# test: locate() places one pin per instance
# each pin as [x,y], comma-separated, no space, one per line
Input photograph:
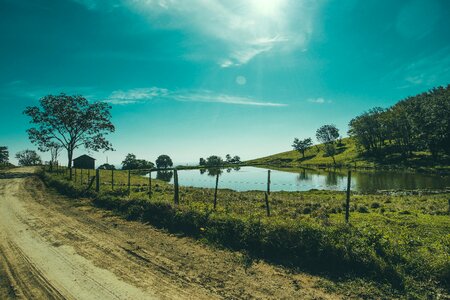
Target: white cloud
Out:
[319,100]
[206,96]
[135,95]
[140,95]
[236,31]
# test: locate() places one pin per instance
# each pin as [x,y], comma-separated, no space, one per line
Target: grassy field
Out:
[394,246]
[349,156]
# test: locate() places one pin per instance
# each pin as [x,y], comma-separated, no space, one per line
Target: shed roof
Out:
[84,156]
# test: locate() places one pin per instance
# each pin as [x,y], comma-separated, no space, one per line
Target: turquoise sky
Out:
[192,78]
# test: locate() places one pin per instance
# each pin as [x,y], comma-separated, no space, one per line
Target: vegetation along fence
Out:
[139,183]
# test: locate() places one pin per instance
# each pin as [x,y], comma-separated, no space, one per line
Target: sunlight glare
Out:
[268,8]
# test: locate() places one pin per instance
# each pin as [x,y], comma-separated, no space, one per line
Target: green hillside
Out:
[348,156]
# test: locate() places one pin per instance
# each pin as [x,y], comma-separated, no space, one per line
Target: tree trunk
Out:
[334,161]
[69,156]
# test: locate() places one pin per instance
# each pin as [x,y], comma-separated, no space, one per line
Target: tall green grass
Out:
[399,241]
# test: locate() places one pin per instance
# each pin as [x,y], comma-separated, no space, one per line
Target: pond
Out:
[251,178]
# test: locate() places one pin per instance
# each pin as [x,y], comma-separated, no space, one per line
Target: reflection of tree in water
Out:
[303,175]
[211,171]
[332,178]
[164,175]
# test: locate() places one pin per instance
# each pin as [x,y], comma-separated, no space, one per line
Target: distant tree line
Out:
[418,123]
[132,163]
[217,161]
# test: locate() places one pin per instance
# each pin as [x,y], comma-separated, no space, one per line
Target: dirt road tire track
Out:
[57,248]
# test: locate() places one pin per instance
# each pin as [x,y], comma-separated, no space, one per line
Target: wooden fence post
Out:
[347,202]
[176,199]
[75,175]
[215,190]
[129,182]
[89,175]
[150,183]
[267,204]
[97,180]
[81,177]
[112,179]
[268,182]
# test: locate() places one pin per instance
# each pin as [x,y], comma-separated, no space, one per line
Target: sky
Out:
[194,78]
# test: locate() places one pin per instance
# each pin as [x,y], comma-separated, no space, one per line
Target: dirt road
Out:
[52,247]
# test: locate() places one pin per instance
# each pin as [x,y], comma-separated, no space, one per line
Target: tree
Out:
[132,163]
[28,158]
[163,162]
[228,158]
[4,155]
[302,145]
[328,135]
[106,167]
[70,122]
[236,160]
[214,161]
[202,162]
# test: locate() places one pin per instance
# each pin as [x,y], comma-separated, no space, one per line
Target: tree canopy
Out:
[328,135]
[4,155]
[214,161]
[70,122]
[419,123]
[132,163]
[28,158]
[164,161]
[302,145]
[107,167]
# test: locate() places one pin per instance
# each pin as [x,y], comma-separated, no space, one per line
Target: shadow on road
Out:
[12,175]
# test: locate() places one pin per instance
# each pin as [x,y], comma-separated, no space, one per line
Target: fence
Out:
[128,182]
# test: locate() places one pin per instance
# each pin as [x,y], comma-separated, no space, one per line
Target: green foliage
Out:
[70,122]
[214,161]
[132,163]
[106,167]
[164,161]
[302,145]
[417,123]
[28,158]
[4,155]
[409,252]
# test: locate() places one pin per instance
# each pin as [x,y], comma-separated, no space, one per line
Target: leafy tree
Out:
[214,161]
[132,163]
[202,162]
[328,135]
[164,161]
[302,145]
[232,160]
[28,158]
[70,122]
[4,155]
[107,167]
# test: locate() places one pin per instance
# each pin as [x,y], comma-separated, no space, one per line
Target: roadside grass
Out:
[349,156]
[397,245]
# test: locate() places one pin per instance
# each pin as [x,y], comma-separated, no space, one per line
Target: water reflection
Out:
[164,175]
[251,178]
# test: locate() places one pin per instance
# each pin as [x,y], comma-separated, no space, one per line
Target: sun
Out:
[267,8]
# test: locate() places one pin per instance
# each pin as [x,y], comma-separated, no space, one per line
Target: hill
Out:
[349,156]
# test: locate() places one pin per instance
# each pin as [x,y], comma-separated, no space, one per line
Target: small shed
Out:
[84,162]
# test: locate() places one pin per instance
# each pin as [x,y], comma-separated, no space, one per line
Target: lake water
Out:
[251,178]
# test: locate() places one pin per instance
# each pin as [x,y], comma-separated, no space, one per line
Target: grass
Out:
[395,245]
[349,156]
